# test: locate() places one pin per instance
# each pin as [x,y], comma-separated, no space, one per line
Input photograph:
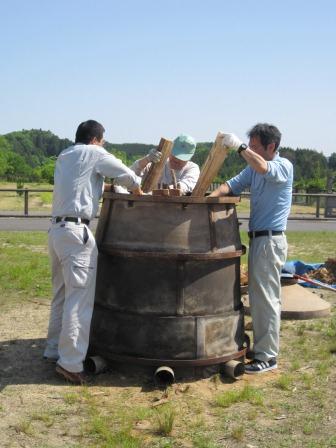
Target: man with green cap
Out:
[178,164]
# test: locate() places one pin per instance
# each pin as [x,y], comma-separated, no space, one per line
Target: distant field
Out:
[41,202]
[297,209]
[38,202]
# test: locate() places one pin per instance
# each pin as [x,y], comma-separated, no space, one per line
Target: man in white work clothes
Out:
[178,166]
[270,179]
[78,186]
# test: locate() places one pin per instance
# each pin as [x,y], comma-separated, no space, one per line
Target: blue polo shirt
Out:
[271,193]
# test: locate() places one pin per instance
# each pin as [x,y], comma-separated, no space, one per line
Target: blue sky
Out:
[147,69]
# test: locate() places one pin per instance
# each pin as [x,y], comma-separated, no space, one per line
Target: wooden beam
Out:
[214,161]
[151,179]
[167,192]
[160,192]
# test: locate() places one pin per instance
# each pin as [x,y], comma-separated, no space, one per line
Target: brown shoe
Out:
[50,360]
[73,377]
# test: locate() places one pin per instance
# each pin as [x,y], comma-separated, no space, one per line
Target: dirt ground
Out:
[37,409]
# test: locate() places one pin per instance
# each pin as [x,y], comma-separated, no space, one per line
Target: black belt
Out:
[70,219]
[264,233]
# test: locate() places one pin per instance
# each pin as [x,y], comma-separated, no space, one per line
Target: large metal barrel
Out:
[168,281]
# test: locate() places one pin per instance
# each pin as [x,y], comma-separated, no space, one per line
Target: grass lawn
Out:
[24,267]
[292,407]
[311,247]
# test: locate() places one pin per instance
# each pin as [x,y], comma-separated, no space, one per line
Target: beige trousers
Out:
[73,255]
[267,255]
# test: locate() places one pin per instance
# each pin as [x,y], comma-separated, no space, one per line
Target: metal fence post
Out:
[26,202]
[317,206]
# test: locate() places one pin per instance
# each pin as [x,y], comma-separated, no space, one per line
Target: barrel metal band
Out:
[176,362]
[110,250]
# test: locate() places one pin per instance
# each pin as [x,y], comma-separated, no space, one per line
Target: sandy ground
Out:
[30,391]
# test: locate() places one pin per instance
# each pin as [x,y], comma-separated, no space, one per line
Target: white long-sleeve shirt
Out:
[187,177]
[79,179]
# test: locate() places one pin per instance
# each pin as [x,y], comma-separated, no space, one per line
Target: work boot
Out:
[72,377]
[50,360]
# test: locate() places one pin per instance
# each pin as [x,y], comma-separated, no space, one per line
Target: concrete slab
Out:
[298,303]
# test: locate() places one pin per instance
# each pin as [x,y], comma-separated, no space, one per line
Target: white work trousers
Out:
[73,253]
[267,255]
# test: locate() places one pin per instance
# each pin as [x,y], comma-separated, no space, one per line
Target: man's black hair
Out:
[267,133]
[88,130]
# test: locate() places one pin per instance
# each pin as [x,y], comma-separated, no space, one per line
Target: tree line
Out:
[30,156]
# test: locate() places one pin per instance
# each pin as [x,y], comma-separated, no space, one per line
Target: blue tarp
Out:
[301,268]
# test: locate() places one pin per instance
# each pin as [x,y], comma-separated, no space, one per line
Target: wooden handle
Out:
[172,172]
[214,161]
[152,178]
[315,282]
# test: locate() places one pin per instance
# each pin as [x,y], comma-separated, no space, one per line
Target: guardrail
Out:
[321,200]
[25,192]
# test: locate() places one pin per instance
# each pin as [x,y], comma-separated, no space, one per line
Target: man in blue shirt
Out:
[270,179]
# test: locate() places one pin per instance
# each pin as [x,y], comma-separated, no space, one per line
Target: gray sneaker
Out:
[257,366]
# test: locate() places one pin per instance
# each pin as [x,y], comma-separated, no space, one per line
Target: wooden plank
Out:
[151,180]
[175,192]
[167,192]
[160,192]
[214,161]
[103,221]
[173,175]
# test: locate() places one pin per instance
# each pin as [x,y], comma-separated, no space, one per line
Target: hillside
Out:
[29,155]
[35,145]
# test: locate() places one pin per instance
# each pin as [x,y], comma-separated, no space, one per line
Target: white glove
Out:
[154,156]
[231,141]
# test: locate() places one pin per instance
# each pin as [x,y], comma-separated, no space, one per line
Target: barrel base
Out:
[142,372]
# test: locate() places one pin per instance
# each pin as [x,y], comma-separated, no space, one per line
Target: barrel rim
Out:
[172,199]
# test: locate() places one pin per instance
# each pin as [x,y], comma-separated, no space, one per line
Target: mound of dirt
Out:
[326,273]
[243,275]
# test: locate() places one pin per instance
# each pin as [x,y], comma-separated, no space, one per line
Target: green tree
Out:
[332,161]
[47,170]
[4,144]
[17,169]
[121,155]
[3,164]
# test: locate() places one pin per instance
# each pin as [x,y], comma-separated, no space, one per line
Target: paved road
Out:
[42,224]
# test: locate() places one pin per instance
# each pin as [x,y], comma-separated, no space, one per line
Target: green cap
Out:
[184,147]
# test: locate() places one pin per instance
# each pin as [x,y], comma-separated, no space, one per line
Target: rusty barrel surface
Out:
[168,281]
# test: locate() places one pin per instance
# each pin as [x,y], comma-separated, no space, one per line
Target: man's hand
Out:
[153,156]
[137,191]
[231,141]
